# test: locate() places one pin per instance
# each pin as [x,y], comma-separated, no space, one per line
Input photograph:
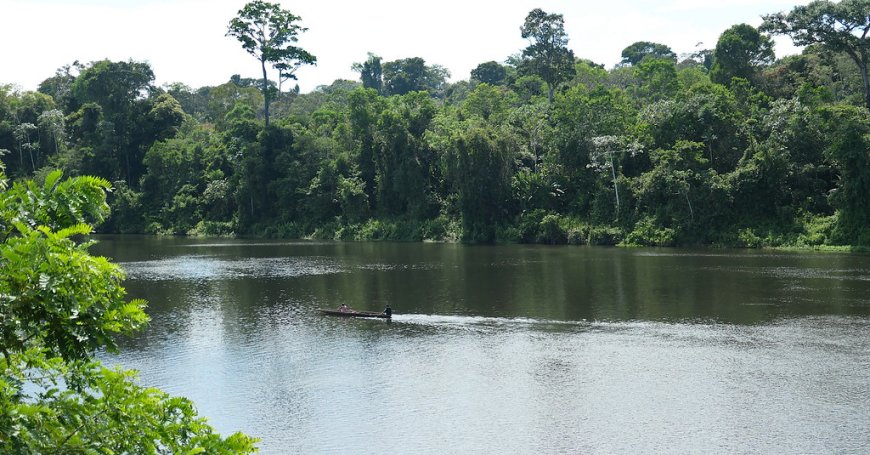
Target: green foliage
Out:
[413,75]
[59,305]
[56,203]
[477,155]
[402,157]
[268,33]
[740,51]
[371,73]
[529,88]
[119,115]
[647,232]
[657,79]
[491,73]
[547,55]
[590,74]
[726,147]
[487,101]
[82,407]
[840,27]
[849,150]
[640,50]
[705,114]
[48,304]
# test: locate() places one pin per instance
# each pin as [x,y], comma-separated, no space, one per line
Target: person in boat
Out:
[343,308]
[388,311]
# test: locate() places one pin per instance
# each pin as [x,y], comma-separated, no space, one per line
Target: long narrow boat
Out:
[355,314]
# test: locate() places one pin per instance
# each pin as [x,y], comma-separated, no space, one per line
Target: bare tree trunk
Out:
[691,212]
[265,91]
[615,188]
[866,78]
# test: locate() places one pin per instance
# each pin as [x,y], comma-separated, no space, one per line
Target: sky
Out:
[184,40]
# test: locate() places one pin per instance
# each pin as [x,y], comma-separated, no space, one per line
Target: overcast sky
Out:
[184,40]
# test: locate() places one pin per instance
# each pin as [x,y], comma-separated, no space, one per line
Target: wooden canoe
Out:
[355,314]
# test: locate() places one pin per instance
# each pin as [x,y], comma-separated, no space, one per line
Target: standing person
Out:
[388,311]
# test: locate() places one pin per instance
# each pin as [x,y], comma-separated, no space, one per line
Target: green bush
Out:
[213,229]
[529,224]
[578,235]
[647,233]
[605,236]
[550,231]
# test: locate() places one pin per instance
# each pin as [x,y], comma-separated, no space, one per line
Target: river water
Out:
[507,349]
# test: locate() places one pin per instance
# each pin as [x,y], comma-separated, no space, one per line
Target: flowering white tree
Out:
[602,155]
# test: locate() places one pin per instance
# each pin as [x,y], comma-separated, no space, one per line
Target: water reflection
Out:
[216,268]
[510,349]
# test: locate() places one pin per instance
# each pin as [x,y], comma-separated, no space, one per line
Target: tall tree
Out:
[365,107]
[59,86]
[414,75]
[547,54]
[633,54]
[848,148]
[478,162]
[53,127]
[370,72]
[120,89]
[491,73]
[740,51]
[269,33]
[841,27]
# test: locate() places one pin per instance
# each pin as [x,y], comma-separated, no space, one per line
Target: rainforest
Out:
[724,147]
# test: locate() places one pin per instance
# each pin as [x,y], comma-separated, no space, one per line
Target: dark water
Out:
[507,349]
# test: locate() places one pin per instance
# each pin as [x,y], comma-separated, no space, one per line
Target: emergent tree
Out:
[740,51]
[840,27]
[547,54]
[371,73]
[633,54]
[268,33]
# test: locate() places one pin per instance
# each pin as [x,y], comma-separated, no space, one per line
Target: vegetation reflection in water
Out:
[507,349]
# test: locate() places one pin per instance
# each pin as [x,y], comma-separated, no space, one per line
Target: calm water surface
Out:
[507,349]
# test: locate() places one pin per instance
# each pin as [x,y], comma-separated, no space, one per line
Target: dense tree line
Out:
[727,146]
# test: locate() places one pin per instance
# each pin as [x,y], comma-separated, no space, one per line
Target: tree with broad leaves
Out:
[740,52]
[633,54]
[602,156]
[269,33]
[371,73]
[840,27]
[491,73]
[414,75]
[547,54]
[59,306]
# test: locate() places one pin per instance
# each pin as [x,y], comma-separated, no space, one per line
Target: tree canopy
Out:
[840,27]
[371,73]
[413,75]
[740,52]
[540,147]
[269,33]
[637,51]
[547,54]
[490,72]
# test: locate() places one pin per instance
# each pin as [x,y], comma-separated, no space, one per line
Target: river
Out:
[506,349]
